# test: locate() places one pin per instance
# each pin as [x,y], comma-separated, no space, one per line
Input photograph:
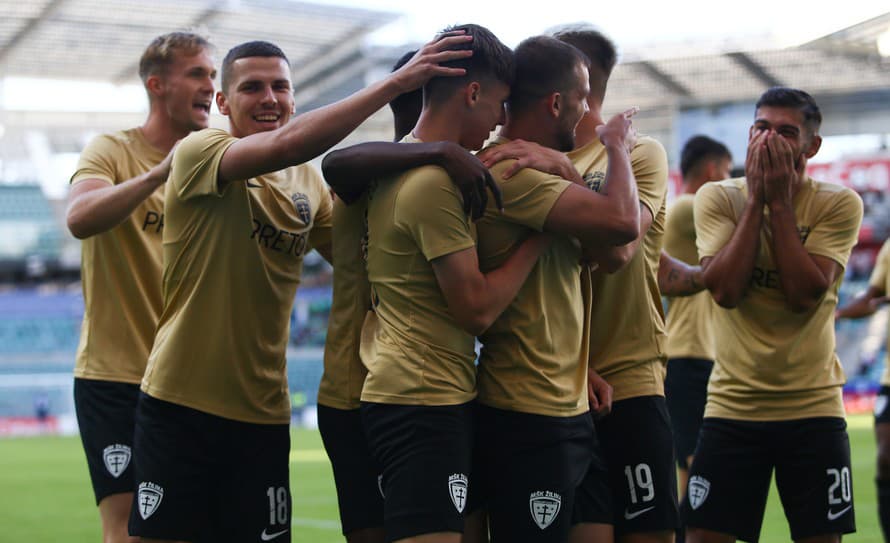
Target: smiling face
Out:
[186,90]
[259,96]
[574,107]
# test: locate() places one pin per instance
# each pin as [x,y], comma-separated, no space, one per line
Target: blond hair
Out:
[159,54]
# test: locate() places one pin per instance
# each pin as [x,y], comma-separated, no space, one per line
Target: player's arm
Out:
[611,217]
[599,394]
[95,206]
[728,273]
[311,134]
[531,155]
[864,304]
[476,299]
[804,278]
[676,278]
[349,171]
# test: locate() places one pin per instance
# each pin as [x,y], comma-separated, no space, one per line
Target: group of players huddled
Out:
[545,248]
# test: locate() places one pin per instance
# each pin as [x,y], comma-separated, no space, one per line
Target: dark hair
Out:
[158,56]
[406,106]
[793,98]
[543,65]
[491,60]
[698,149]
[599,49]
[246,50]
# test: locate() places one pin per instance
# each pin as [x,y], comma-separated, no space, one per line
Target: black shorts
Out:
[356,474]
[525,471]
[638,447]
[730,476]
[882,413]
[106,415]
[200,477]
[424,452]
[686,392]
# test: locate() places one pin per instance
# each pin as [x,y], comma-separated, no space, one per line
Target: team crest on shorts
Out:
[302,206]
[457,487]
[698,491]
[544,506]
[149,498]
[880,404]
[116,458]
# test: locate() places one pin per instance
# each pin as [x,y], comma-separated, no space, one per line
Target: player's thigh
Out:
[356,475]
[424,453]
[106,417]
[814,477]
[729,479]
[685,390]
[533,464]
[593,499]
[252,496]
[173,472]
[638,444]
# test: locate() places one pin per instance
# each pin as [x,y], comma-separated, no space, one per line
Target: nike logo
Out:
[630,516]
[839,514]
[253,185]
[269,537]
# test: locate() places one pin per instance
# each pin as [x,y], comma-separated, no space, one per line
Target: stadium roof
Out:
[846,61]
[103,39]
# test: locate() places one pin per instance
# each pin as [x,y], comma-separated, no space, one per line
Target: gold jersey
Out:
[421,355]
[880,279]
[232,262]
[532,359]
[121,267]
[626,326]
[690,325]
[773,363]
[344,373]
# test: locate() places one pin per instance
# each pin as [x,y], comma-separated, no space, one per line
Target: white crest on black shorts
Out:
[302,206]
[116,458]
[457,487]
[149,498]
[698,491]
[544,506]
[880,404]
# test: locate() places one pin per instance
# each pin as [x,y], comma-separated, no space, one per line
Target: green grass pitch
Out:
[45,495]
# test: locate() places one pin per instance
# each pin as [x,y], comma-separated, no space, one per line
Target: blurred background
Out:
[68,73]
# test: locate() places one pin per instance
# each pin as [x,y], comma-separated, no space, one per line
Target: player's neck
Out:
[585,133]
[529,128]
[160,131]
[438,124]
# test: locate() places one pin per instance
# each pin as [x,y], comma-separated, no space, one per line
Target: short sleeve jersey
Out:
[344,373]
[232,262]
[530,355]
[773,363]
[627,337]
[880,279]
[690,326]
[421,355]
[121,267]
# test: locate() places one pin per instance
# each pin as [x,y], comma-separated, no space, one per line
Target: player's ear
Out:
[155,86]
[471,93]
[222,103]
[554,104]
[815,145]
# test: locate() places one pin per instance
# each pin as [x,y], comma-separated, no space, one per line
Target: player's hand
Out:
[471,177]
[619,131]
[161,171]
[599,392]
[779,172]
[527,155]
[426,63]
[754,168]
